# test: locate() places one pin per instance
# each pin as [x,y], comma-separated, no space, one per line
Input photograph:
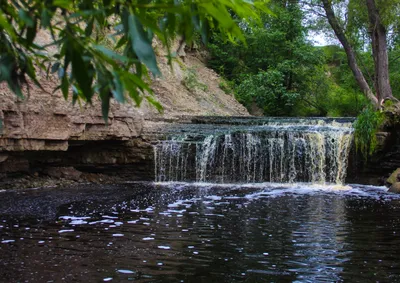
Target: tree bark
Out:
[379,52]
[351,58]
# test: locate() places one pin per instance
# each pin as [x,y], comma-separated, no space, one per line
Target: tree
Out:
[377,32]
[275,70]
[85,65]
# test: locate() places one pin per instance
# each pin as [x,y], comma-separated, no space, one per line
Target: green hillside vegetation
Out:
[283,74]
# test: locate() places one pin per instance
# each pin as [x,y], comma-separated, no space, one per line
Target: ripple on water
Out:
[223,233]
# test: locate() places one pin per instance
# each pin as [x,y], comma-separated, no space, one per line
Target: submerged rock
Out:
[395,188]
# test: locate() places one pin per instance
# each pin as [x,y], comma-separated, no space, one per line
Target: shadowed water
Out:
[177,232]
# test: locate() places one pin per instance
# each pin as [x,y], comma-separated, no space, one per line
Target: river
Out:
[199,232]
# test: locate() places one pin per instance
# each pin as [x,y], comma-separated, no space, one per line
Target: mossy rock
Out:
[393,177]
[391,111]
[395,188]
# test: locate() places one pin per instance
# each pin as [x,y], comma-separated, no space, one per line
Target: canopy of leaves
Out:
[277,69]
[284,74]
[85,65]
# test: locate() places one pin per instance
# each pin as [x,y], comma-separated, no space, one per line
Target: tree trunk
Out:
[379,52]
[351,58]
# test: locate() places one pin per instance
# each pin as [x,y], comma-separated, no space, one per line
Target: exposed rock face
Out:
[69,173]
[36,132]
[48,122]
[190,88]
[395,188]
[45,131]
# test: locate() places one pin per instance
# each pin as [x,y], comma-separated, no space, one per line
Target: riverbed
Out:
[199,232]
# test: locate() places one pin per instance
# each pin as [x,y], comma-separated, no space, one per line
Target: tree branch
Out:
[351,58]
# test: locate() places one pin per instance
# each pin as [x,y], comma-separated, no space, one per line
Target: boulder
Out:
[394,177]
[395,188]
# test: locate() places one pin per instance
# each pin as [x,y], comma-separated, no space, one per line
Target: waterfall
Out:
[278,150]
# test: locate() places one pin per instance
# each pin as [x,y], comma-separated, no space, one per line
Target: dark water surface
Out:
[145,232]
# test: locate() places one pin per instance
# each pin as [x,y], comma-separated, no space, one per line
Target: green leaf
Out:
[80,73]
[46,18]
[204,31]
[55,67]
[106,3]
[31,34]
[89,27]
[6,64]
[150,34]
[25,18]
[133,93]
[16,88]
[221,15]
[118,91]
[141,44]
[111,54]
[132,90]
[155,103]
[105,107]
[105,97]
[65,4]
[121,42]
[195,17]
[30,70]
[65,87]
[139,69]
[7,26]
[136,80]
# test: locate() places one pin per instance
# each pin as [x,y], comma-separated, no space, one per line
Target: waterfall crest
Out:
[275,150]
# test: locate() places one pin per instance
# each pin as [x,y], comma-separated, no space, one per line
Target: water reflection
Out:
[200,233]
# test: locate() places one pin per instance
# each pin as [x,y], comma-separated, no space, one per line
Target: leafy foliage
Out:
[226,86]
[366,126]
[277,68]
[266,89]
[78,29]
[284,74]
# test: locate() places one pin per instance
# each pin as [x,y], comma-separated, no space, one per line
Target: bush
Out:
[267,90]
[366,126]
[226,86]
[191,82]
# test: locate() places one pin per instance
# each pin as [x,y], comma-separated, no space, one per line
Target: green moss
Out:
[388,103]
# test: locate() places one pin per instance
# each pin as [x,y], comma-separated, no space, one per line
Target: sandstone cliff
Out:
[45,130]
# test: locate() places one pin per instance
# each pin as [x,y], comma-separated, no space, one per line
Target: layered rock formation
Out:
[44,131]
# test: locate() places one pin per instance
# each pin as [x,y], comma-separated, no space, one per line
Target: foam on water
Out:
[274,190]
[66,231]
[125,271]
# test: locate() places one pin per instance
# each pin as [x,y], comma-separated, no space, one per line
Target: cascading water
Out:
[253,151]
